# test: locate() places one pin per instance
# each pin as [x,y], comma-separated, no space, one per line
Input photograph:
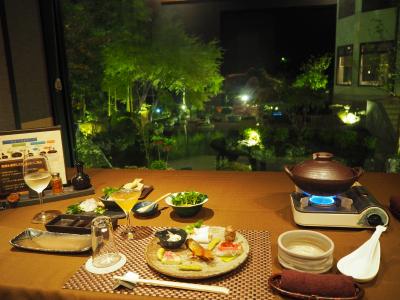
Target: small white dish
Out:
[92,269]
[305,250]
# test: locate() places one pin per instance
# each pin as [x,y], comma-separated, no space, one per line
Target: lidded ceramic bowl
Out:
[305,250]
[322,175]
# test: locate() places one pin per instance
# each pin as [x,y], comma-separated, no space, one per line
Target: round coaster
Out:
[92,269]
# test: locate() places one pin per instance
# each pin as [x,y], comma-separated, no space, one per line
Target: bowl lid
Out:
[322,167]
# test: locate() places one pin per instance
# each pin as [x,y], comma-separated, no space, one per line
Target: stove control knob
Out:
[374,220]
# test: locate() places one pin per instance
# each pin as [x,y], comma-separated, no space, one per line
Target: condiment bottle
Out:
[56,183]
[81,180]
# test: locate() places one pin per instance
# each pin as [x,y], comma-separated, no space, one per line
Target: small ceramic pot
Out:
[305,250]
[163,236]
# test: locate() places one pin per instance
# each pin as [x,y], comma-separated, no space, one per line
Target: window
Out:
[346,8]
[344,65]
[375,62]
[150,87]
[368,5]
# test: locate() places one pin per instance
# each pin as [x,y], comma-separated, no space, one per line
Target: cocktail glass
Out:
[126,199]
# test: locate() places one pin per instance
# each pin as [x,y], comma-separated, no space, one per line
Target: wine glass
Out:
[37,175]
[126,199]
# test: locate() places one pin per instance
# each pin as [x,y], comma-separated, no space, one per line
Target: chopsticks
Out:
[133,278]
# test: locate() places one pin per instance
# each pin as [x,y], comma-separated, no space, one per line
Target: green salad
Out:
[188,198]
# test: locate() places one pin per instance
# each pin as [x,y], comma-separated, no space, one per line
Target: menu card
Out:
[15,144]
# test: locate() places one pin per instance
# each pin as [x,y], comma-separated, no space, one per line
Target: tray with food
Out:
[44,241]
[92,208]
[203,252]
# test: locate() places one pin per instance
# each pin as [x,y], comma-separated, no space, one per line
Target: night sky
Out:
[259,38]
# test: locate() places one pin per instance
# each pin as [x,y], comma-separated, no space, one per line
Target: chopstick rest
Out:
[131,278]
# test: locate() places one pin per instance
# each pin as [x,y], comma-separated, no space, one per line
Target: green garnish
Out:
[188,198]
[228,258]
[190,228]
[190,268]
[160,254]
[100,210]
[76,209]
[108,190]
[214,242]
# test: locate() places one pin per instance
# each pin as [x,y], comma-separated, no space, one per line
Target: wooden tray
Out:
[77,224]
[275,283]
[209,269]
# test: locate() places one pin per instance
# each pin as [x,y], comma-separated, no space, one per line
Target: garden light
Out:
[350,118]
[244,97]
[183,107]
[158,110]
[251,138]
[254,138]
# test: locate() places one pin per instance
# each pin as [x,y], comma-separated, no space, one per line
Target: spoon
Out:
[363,263]
[150,206]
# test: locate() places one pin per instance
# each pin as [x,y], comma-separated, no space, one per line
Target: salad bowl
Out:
[186,204]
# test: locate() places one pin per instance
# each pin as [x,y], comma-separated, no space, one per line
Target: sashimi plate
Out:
[213,268]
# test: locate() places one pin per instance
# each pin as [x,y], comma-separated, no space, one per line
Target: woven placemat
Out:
[249,281]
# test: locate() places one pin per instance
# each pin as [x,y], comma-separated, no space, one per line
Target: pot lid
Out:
[322,167]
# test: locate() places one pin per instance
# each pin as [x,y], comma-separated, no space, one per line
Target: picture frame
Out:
[17,143]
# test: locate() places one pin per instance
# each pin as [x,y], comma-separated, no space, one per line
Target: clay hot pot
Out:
[322,175]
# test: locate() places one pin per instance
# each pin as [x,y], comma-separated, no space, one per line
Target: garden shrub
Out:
[158,165]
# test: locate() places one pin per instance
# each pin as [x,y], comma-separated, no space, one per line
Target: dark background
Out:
[260,38]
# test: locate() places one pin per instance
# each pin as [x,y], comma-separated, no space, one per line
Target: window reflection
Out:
[375,62]
[344,65]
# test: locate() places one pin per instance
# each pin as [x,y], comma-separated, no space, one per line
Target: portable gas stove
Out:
[356,208]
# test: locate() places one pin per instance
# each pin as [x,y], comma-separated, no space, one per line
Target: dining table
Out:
[255,201]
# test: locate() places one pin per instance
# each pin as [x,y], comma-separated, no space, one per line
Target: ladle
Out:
[147,208]
[363,263]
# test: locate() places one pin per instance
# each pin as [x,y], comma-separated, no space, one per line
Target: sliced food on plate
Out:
[208,251]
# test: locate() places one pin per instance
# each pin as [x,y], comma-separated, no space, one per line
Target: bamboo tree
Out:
[109,103]
[115,100]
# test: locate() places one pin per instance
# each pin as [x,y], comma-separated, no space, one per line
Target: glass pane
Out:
[221,85]
[344,72]
[346,8]
[374,69]
[368,5]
